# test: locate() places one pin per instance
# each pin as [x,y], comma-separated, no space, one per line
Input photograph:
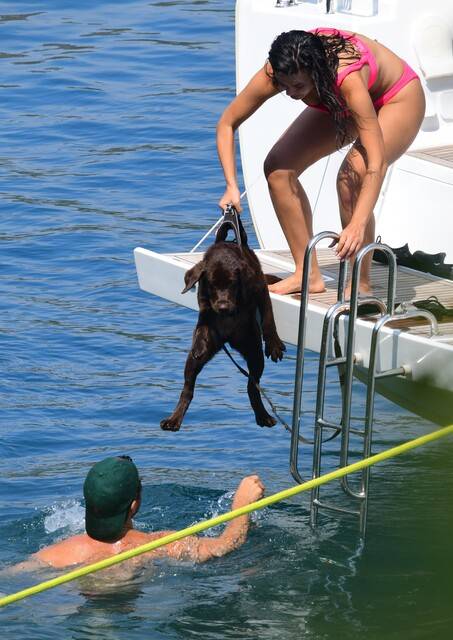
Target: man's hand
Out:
[249,490]
[201,549]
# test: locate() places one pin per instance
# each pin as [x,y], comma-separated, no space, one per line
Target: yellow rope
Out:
[206,524]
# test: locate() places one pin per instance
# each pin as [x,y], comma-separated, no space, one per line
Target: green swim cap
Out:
[109,489]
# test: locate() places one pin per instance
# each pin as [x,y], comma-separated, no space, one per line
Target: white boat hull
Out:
[428,391]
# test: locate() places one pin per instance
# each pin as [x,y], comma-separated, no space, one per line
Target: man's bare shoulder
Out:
[73,550]
[81,549]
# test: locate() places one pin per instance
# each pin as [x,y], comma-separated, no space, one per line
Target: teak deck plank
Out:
[410,285]
[438,155]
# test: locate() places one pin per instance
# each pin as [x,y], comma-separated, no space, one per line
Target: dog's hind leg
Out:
[252,351]
[204,346]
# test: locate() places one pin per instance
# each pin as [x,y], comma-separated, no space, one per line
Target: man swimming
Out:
[112,491]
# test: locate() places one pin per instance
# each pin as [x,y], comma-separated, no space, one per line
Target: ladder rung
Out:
[388,373]
[357,359]
[335,426]
[336,361]
[357,432]
[320,422]
[332,507]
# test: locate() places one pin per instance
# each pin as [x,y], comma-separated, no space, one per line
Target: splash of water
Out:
[222,505]
[68,515]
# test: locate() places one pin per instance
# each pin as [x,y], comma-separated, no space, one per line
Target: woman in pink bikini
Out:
[357,91]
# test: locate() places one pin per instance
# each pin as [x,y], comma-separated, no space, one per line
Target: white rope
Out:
[320,184]
[217,224]
[211,230]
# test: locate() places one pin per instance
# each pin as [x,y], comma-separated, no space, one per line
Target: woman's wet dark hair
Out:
[316,55]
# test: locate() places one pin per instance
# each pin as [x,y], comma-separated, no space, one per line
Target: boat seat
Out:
[432,42]
[446,105]
[431,119]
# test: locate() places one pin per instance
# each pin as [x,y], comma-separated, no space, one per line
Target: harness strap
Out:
[284,424]
[231,220]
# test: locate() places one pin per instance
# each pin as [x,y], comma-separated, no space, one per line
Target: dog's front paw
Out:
[274,348]
[172,423]
[265,420]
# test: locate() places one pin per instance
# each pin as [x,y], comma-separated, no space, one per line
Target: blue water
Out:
[108,117]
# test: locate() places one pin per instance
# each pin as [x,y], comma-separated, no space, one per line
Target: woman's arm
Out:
[257,91]
[359,103]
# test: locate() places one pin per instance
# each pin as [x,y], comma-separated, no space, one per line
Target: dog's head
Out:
[223,280]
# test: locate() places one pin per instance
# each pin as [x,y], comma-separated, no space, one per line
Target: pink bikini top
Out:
[366,58]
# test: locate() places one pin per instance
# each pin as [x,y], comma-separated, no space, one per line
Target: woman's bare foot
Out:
[364,290]
[292,283]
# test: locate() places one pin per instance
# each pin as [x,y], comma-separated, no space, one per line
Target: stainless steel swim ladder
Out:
[345,364]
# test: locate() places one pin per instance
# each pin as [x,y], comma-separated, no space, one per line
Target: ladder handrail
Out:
[372,373]
[391,291]
[404,370]
[298,380]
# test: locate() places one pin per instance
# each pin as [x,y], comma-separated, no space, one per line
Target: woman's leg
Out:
[308,139]
[400,121]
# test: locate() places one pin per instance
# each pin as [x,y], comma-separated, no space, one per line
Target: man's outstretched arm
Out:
[32,564]
[201,549]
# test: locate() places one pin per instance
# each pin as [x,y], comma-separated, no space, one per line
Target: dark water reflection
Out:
[108,113]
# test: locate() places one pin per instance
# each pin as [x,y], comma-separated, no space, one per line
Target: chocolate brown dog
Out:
[231,289]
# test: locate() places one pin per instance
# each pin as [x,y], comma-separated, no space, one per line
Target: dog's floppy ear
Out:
[192,276]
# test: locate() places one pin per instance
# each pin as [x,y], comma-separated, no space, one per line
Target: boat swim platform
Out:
[426,391]
[439,155]
[410,285]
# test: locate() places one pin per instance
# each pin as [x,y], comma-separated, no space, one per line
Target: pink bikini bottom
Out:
[407,75]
